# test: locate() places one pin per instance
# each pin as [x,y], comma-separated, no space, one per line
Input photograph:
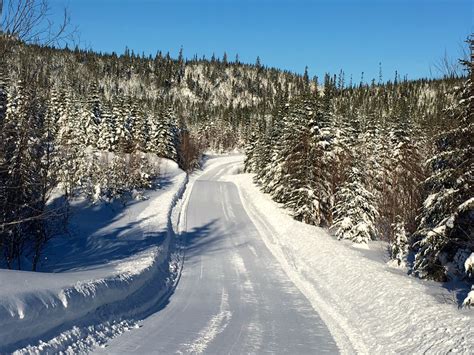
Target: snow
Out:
[466,205]
[469,301]
[216,325]
[117,266]
[368,306]
[233,296]
[469,264]
[122,264]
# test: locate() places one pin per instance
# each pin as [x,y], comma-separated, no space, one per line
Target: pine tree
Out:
[166,135]
[399,245]
[354,210]
[107,132]
[447,220]
[306,188]
[68,141]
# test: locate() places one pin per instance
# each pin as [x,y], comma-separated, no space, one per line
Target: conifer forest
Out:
[373,164]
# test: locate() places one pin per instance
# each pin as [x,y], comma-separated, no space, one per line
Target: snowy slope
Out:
[117,267]
[368,306]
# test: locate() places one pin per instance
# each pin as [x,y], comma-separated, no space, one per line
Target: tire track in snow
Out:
[254,333]
[215,326]
[347,339]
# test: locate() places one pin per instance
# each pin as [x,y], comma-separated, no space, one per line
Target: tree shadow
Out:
[99,248]
[97,234]
[459,289]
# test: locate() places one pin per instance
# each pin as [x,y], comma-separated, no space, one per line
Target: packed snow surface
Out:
[233,296]
[368,306]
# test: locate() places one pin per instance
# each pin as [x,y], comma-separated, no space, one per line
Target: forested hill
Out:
[93,124]
[219,101]
[215,97]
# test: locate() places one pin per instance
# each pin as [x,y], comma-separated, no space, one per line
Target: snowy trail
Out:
[233,296]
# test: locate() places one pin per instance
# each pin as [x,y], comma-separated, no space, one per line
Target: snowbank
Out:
[368,306]
[97,299]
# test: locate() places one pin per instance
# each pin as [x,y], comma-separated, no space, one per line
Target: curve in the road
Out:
[233,296]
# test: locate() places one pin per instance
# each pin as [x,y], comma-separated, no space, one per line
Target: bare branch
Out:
[29,21]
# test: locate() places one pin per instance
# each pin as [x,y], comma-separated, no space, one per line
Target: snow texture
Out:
[233,297]
[84,301]
[368,306]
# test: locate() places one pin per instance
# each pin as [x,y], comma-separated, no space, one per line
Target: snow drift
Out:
[85,305]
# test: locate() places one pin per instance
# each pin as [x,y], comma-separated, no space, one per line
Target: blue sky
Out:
[354,35]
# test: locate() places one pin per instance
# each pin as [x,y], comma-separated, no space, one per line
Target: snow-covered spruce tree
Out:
[68,162]
[354,211]
[272,170]
[295,153]
[399,243]
[166,135]
[446,223]
[261,153]
[123,134]
[91,115]
[55,107]
[249,162]
[93,177]
[337,155]
[305,184]
[373,149]
[107,139]
[139,127]
[24,190]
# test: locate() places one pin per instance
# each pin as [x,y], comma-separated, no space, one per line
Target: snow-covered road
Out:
[233,295]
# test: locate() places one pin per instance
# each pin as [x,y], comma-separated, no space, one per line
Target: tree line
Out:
[390,161]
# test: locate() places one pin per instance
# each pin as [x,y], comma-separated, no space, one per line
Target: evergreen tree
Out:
[70,151]
[399,245]
[306,188]
[123,125]
[107,128]
[249,162]
[23,199]
[354,210]
[166,135]
[447,220]
[91,118]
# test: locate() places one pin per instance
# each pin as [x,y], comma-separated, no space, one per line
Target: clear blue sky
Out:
[353,35]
